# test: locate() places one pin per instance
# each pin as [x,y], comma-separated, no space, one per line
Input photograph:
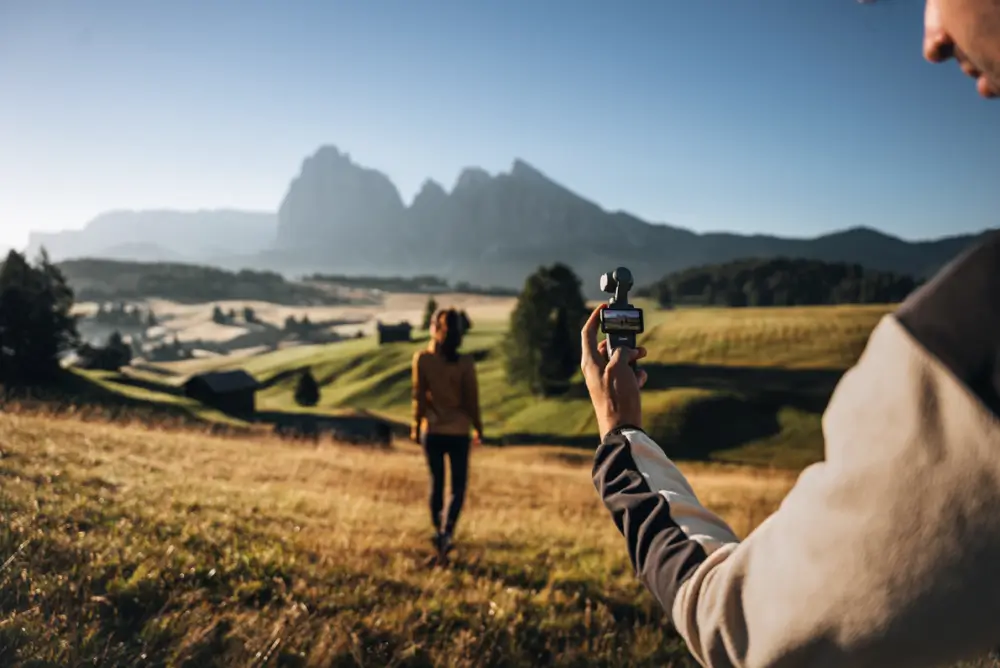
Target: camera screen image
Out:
[626,320]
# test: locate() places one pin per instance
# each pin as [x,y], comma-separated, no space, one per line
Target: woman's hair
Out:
[448,333]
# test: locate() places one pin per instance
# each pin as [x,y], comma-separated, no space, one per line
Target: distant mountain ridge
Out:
[496,229]
[162,236]
[342,217]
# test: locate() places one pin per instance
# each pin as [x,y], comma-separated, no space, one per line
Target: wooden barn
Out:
[232,392]
[394,333]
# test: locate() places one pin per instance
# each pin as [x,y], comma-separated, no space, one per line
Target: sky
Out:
[777,116]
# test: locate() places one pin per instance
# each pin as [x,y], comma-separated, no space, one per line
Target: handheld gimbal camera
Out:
[620,321]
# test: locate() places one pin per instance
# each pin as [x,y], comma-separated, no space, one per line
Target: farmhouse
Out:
[232,392]
[394,333]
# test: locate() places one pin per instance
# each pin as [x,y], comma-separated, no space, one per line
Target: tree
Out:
[36,326]
[113,356]
[542,348]
[307,390]
[119,351]
[781,282]
[429,312]
[663,294]
[218,317]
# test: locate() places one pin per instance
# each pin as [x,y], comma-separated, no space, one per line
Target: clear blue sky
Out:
[790,117]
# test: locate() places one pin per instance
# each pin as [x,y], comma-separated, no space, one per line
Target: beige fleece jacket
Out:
[885,554]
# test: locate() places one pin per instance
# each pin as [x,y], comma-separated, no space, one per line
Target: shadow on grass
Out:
[741,405]
[805,389]
[151,386]
[85,398]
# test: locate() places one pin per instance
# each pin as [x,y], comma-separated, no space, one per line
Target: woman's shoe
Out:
[446,544]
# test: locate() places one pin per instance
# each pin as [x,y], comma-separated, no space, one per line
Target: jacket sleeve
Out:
[470,395]
[882,555]
[668,533]
[885,553]
[419,393]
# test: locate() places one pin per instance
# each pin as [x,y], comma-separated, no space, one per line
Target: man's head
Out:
[969,31]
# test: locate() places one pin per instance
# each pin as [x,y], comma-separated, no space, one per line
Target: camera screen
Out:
[629,320]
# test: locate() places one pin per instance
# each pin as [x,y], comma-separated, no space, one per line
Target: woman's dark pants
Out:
[456,449]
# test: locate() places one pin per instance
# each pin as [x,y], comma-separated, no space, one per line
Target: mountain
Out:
[496,229]
[162,236]
[341,217]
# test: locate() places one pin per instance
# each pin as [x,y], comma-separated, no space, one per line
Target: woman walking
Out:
[445,407]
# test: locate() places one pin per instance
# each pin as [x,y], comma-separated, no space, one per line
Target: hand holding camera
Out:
[609,366]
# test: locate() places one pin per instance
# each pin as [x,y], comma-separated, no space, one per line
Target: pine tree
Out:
[307,390]
[429,312]
[542,347]
[36,325]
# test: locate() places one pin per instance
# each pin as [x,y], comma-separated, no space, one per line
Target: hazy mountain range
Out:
[340,217]
[163,236]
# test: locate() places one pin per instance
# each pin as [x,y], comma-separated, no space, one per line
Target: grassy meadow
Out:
[744,386]
[126,546]
[165,544]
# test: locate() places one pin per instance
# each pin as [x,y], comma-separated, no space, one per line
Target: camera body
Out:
[620,321]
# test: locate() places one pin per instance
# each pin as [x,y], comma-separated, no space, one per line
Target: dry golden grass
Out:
[124,545]
[189,549]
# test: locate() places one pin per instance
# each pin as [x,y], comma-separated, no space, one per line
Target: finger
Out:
[986,88]
[969,69]
[591,357]
[621,357]
[633,354]
[642,377]
[602,348]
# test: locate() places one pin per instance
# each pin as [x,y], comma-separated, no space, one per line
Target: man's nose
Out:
[938,45]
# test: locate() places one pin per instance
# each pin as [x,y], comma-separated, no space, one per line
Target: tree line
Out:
[418,284]
[779,282]
[36,323]
[113,280]
[120,314]
[541,348]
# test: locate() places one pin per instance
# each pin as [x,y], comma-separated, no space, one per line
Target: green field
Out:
[126,545]
[736,385]
[156,544]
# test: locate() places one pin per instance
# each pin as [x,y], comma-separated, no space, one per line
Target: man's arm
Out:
[668,533]
[883,554]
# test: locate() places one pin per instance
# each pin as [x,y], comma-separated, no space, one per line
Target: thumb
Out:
[622,357]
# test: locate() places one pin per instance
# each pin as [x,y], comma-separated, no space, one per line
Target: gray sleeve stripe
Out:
[660,551]
[696,521]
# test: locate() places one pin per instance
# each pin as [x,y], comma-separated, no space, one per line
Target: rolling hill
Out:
[738,385]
